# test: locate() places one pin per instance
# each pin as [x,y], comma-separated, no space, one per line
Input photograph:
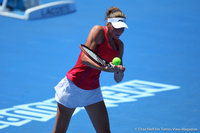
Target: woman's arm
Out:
[96,36]
[118,76]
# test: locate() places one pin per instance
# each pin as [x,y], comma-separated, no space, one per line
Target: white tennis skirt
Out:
[71,96]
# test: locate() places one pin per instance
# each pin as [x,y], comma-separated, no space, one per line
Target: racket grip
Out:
[110,65]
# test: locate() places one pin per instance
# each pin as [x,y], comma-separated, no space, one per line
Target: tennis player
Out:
[80,87]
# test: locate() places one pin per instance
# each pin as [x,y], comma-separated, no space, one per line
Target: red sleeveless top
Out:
[87,78]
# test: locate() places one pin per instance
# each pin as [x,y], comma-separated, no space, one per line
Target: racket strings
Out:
[94,56]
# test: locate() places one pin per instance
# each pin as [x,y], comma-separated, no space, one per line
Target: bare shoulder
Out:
[97,29]
[96,34]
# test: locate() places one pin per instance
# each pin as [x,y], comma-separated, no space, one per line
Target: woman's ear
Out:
[108,24]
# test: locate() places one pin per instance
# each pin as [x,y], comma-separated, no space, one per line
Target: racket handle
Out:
[110,65]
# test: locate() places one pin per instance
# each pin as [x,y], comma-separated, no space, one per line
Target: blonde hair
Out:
[114,12]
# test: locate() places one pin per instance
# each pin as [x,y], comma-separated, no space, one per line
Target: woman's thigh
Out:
[99,117]
[63,117]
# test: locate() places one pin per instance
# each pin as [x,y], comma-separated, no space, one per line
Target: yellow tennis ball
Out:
[116,61]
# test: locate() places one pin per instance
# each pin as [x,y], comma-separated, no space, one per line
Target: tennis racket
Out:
[94,57]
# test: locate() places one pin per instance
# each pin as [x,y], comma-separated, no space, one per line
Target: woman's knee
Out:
[99,117]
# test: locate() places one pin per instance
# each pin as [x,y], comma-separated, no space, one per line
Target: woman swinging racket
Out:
[80,87]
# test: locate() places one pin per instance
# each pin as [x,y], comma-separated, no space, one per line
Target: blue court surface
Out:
[160,90]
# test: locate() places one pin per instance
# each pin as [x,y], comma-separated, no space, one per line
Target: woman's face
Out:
[115,33]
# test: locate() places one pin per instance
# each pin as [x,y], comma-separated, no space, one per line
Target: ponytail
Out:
[114,12]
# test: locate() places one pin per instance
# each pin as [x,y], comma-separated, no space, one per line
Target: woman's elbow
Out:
[83,60]
[118,77]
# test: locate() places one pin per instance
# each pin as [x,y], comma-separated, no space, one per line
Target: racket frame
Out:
[100,61]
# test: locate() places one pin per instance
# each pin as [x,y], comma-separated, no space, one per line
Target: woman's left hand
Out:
[118,68]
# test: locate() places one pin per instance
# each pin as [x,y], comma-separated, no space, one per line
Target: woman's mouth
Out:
[117,35]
